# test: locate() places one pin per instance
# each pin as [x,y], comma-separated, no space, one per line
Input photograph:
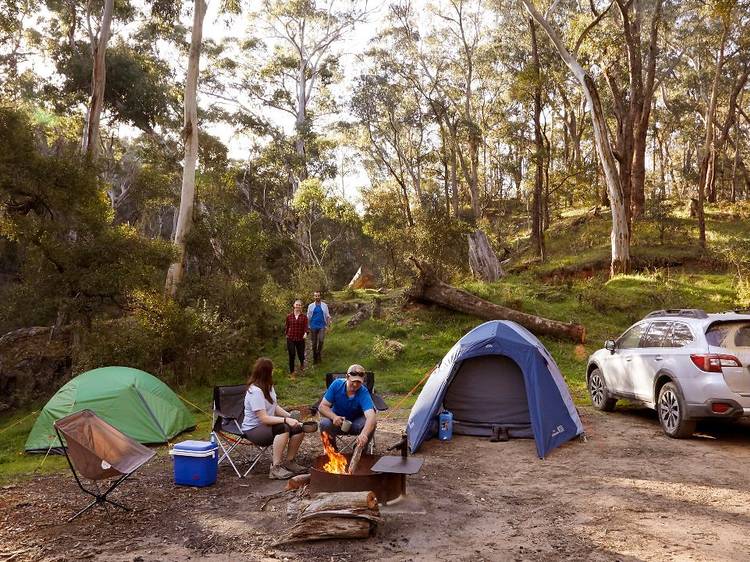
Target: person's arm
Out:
[325,410]
[289,420]
[275,420]
[307,325]
[286,326]
[371,420]
[328,316]
[310,308]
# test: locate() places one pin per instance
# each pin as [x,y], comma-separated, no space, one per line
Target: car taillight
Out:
[713,362]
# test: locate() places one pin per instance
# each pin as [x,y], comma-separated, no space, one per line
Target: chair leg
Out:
[255,461]
[84,510]
[226,454]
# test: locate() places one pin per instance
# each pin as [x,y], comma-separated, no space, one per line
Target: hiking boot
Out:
[278,472]
[295,467]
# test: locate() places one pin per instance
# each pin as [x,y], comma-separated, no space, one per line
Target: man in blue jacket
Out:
[348,399]
[319,320]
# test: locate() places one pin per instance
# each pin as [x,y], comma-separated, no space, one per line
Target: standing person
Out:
[296,331]
[320,321]
[266,423]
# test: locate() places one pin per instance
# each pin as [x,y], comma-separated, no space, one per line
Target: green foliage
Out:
[137,89]
[179,343]
[433,238]
[385,350]
[73,259]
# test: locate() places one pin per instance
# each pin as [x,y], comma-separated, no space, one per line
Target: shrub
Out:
[386,350]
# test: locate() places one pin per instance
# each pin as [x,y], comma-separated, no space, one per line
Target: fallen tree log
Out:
[428,288]
[338,515]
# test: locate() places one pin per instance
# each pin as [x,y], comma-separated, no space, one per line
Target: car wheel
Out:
[598,392]
[672,411]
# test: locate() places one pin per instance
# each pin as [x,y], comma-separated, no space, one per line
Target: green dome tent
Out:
[136,403]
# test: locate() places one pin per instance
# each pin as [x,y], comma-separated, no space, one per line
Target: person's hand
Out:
[362,439]
[304,335]
[291,422]
[338,420]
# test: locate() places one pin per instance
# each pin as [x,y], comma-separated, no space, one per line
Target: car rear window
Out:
[730,335]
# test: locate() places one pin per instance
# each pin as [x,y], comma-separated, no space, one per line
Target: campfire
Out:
[331,472]
[337,462]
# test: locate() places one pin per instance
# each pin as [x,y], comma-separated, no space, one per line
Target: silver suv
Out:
[685,364]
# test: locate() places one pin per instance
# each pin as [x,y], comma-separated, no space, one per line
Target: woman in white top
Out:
[265,422]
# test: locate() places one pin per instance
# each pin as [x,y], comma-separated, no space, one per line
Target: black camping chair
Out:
[228,411]
[98,451]
[377,400]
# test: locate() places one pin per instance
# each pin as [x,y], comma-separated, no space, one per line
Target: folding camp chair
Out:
[377,400]
[99,451]
[228,411]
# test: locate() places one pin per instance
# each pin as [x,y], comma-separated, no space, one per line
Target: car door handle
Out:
[658,357]
[628,358]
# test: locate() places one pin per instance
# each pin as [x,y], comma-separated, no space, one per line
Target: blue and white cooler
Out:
[195,463]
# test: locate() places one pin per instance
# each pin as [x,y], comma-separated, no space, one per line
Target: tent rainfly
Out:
[498,378]
[135,402]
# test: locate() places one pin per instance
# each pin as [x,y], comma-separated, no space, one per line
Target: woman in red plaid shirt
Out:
[296,332]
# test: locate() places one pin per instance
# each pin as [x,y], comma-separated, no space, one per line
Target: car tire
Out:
[670,407]
[600,397]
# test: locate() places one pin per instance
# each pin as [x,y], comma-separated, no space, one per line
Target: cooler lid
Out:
[195,446]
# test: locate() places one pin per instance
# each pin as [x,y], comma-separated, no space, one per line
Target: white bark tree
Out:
[309,32]
[190,132]
[90,141]
[620,237]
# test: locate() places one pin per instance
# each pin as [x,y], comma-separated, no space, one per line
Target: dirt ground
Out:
[627,493]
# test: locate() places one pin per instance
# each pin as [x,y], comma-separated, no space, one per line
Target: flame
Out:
[336,461]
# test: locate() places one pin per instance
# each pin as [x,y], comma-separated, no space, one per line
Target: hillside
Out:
[572,285]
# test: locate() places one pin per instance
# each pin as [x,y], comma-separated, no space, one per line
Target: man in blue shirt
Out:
[319,321]
[348,399]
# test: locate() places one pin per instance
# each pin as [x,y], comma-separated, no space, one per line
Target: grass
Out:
[605,306]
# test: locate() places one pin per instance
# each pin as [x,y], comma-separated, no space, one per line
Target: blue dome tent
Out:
[498,378]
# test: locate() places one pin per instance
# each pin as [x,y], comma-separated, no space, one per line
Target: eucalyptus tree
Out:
[16,24]
[190,133]
[304,63]
[620,236]
[99,38]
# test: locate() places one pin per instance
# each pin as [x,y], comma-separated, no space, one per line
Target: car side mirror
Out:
[609,345]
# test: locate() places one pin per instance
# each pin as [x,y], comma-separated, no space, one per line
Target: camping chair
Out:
[377,400]
[97,451]
[228,411]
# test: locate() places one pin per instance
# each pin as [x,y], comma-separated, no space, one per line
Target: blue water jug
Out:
[445,426]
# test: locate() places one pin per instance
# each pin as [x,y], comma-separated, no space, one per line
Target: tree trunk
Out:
[620,236]
[537,223]
[190,131]
[709,150]
[90,142]
[428,288]
[483,262]
[736,159]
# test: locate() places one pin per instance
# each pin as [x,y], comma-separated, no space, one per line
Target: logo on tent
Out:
[557,431]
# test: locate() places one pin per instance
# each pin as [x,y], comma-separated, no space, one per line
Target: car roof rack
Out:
[681,312]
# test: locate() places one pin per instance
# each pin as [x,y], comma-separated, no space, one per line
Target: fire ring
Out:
[386,486]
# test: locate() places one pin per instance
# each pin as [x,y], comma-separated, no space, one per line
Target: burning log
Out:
[355,458]
[428,288]
[337,515]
